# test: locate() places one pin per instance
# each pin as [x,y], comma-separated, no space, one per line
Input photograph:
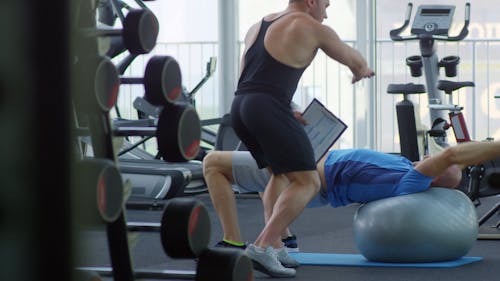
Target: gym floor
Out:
[322,230]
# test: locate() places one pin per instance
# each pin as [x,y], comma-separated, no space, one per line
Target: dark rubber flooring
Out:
[324,230]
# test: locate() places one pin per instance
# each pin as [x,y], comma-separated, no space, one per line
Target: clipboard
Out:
[323,128]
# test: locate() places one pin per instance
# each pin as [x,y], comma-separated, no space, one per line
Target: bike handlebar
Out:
[465,30]
[396,33]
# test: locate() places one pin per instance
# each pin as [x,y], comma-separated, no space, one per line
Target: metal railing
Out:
[330,82]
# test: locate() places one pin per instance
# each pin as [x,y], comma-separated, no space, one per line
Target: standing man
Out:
[277,51]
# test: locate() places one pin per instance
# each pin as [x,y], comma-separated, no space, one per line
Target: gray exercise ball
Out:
[439,224]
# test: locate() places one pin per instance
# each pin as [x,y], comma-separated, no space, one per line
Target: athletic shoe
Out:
[266,261]
[285,259]
[224,244]
[291,244]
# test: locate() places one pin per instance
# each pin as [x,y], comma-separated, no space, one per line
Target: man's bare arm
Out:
[338,50]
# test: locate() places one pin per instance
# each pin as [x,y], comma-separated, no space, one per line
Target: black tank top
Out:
[264,74]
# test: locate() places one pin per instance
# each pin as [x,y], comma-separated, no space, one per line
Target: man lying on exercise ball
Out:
[347,176]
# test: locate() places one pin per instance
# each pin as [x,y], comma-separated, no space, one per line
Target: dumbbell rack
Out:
[96,124]
[99,192]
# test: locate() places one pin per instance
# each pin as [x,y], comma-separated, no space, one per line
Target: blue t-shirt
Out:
[363,175]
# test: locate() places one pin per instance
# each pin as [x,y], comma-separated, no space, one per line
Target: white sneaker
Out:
[285,259]
[266,261]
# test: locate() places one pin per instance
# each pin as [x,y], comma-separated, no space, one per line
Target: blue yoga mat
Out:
[359,260]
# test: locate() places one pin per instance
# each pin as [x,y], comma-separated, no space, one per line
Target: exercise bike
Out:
[431,24]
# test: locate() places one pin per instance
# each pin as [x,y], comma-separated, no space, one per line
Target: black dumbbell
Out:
[162,80]
[97,83]
[98,192]
[178,133]
[139,32]
[184,228]
[224,264]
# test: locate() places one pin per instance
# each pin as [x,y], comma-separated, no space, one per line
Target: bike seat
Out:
[450,86]
[405,89]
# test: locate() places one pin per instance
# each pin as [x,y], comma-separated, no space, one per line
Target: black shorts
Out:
[276,139]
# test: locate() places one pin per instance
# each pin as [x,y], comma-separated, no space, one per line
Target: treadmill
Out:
[157,179]
[152,179]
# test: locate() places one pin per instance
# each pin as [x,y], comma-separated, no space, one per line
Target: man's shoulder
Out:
[289,17]
[302,18]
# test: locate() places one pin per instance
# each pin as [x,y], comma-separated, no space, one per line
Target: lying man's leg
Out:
[461,155]
[217,170]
